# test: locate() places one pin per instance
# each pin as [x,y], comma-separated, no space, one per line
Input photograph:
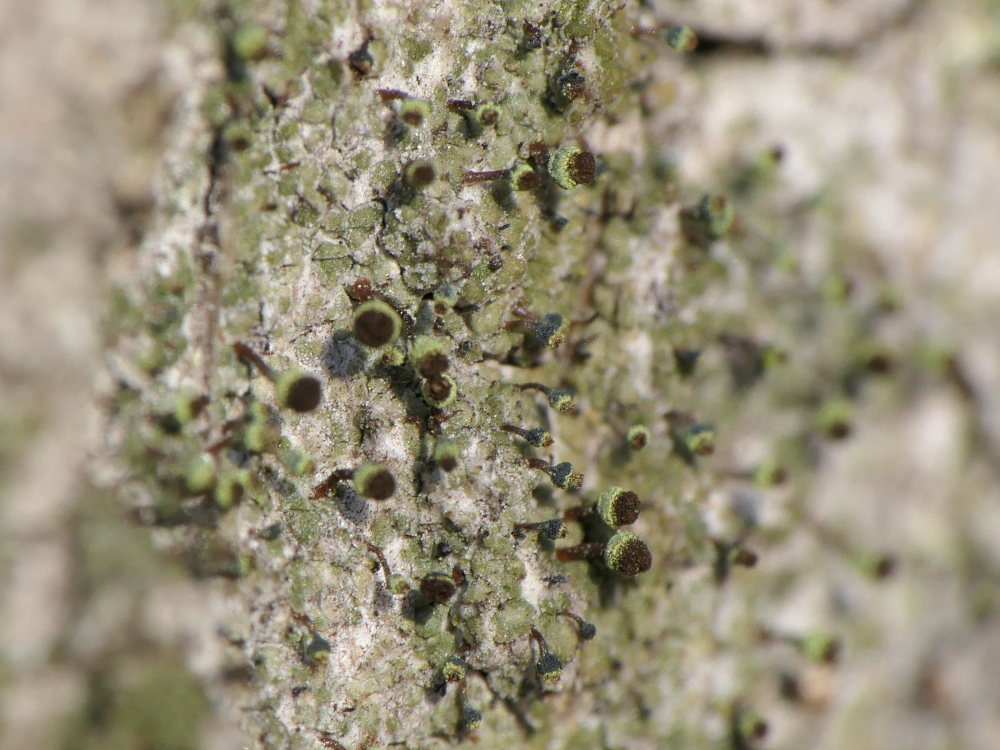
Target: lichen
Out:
[358,212]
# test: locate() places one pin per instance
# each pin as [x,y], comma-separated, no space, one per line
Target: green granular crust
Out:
[454,669]
[329,188]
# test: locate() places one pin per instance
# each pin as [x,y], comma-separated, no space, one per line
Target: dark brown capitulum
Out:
[527,179]
[627,554]
[433,365]
[376,324]
[572,84]
[532,38]
[419,174]
[582,167]
[361,60]
[303,394]
[439,389]
[437,587]
[374,481]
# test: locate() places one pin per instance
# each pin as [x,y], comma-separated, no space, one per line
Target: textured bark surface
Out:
[177,179]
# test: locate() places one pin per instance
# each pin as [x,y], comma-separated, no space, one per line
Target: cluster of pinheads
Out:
[379,326]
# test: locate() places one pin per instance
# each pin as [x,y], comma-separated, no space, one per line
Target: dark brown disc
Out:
[583,168]
[374,328]
[437,588]
[378,486]
[304,394]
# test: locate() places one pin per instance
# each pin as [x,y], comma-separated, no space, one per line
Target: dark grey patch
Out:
[342,356]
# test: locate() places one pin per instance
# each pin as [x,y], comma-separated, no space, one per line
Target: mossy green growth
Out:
[230,489]
[513,621]
[820,646]
[201,475]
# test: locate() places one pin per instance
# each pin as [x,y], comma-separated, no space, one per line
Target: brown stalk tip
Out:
[361,60]
[579,551]
[472,178]
[248,355]
[539,150]
[388,95]
[532,38]
[572,84]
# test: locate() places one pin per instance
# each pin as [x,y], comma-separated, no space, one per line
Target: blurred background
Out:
[878,124]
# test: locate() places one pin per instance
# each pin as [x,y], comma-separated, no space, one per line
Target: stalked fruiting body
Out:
[296,390]
[376,324]
[624,553]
